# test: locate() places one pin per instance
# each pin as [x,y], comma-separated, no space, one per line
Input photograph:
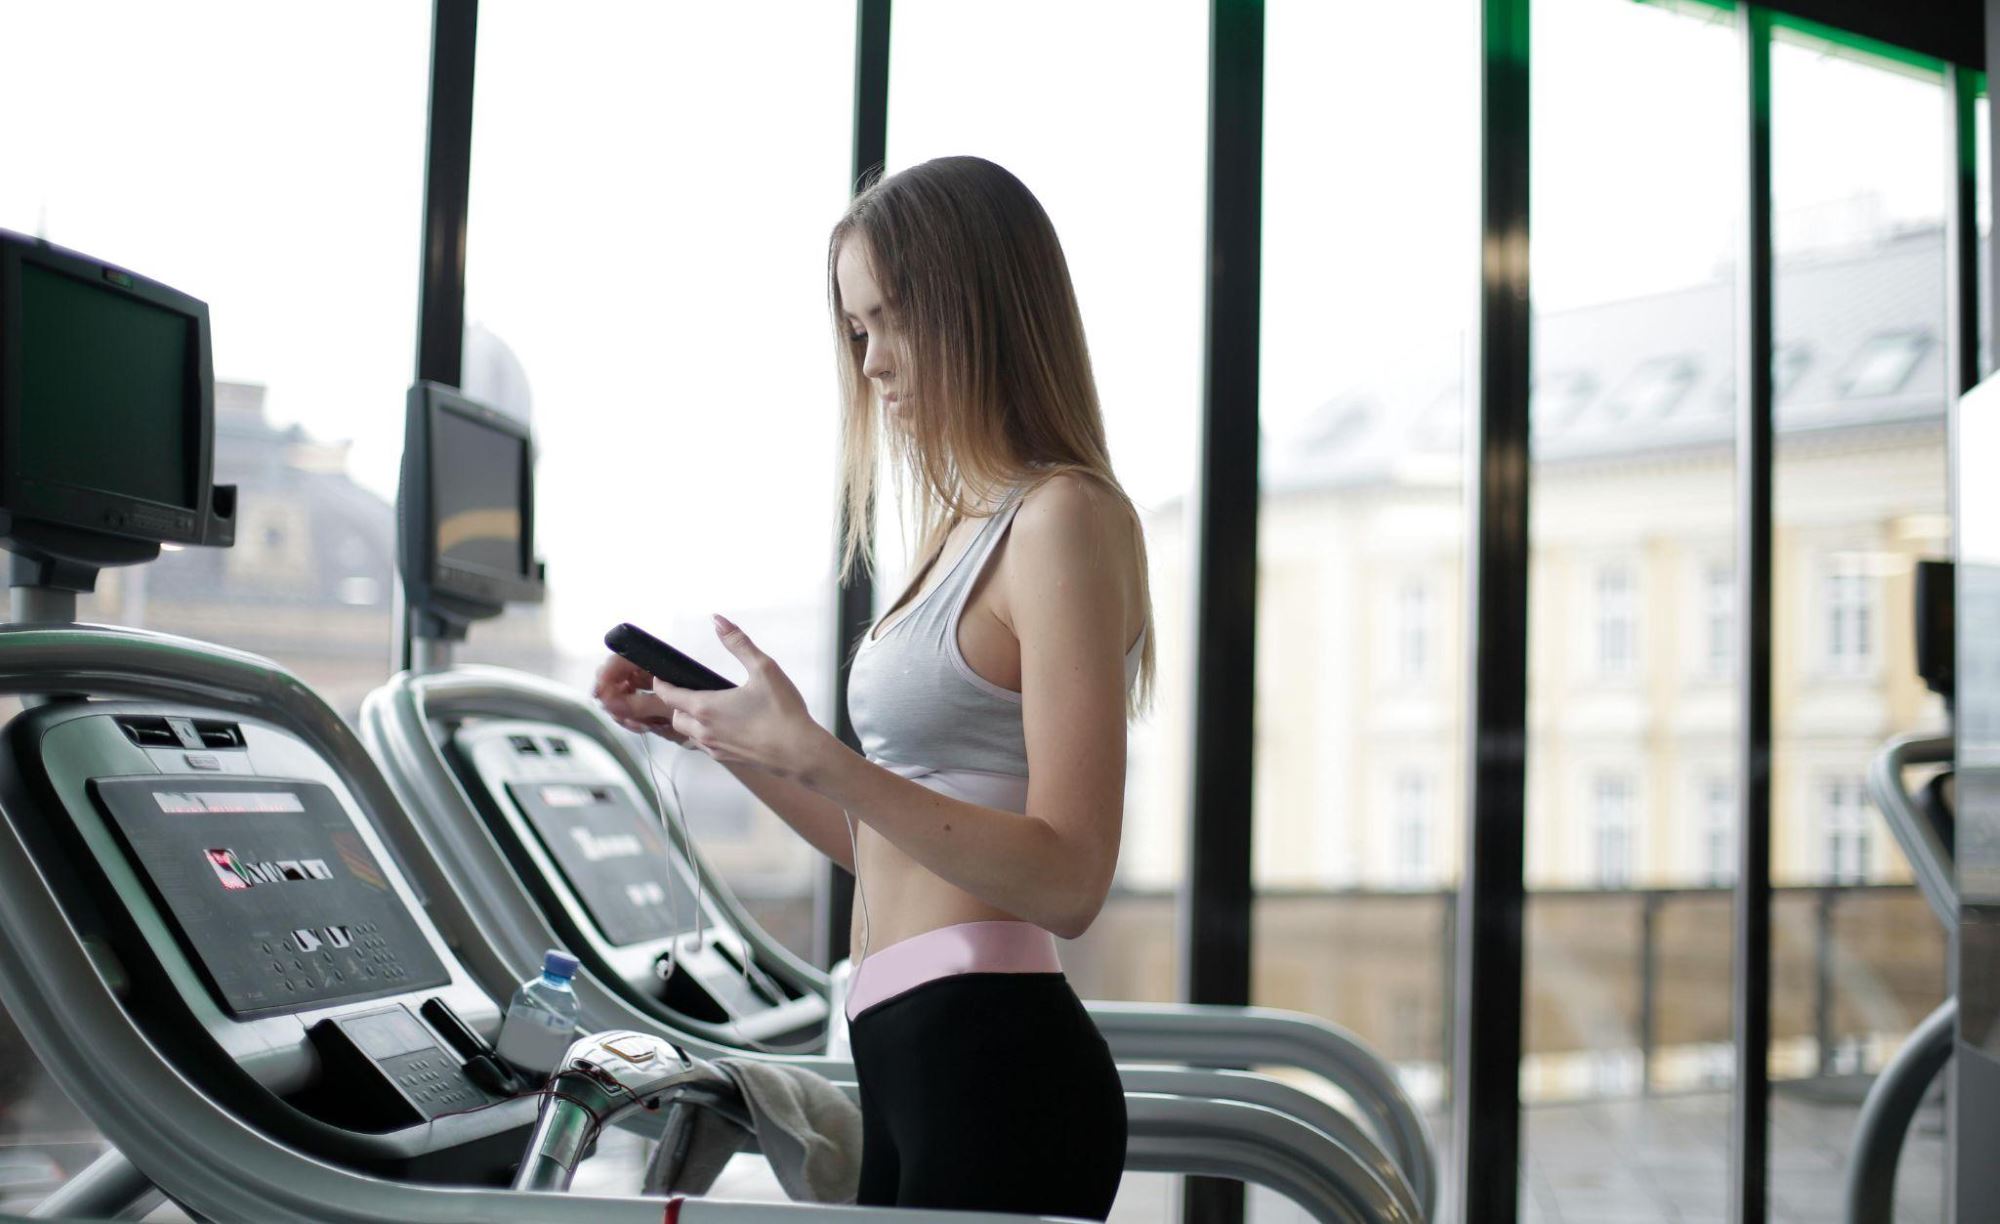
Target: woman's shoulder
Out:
[1069,508]
[1075,519]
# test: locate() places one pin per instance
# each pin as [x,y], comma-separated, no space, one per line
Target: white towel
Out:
[805,1126]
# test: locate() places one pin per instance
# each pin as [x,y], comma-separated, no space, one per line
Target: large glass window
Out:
[1845,832]
[1636,184]
[225,150]
[295,217]
[1415,829]
[1717,859]
[1611,814]
[1370,263]
[646,282]
[1848,599]
[1717,620]
[1858,186]
[1111,139]
[1616,608]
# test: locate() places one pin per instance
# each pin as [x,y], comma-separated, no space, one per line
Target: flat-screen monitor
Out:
[106,409]
[466,517]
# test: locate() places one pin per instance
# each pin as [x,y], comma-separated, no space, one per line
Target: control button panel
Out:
[414,1063]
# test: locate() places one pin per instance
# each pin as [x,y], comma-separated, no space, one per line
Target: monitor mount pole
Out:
[433,641]
[42,591]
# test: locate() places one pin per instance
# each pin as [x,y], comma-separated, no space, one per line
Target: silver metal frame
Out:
[1877,1146]
[201,1155]
[397,722]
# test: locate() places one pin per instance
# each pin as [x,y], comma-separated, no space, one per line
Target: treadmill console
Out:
[613,857]
[247,907]
[583,838]
[271,891]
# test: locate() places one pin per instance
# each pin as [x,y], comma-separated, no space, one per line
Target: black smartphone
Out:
[662,660]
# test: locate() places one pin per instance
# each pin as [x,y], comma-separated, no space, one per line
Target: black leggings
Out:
[988,1091]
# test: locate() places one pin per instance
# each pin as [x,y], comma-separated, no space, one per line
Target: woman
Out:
[991,702]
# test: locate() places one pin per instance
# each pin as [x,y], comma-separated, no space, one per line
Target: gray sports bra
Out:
[919,708]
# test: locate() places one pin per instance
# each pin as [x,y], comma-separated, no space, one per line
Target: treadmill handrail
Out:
[1921,841]
[492,692]
[1203,1035]
[209,1160]
[397,725]
[196,1151]
[204,1156]
[1877,1147]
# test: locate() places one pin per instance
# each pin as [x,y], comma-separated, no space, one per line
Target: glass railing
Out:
[1854,967]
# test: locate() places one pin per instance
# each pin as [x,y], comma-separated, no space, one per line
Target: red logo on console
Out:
[237,873]
[226,870]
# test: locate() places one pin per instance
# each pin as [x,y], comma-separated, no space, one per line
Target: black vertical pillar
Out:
[1751,968]
[1961,232]
[854,605]
[447,189]
[1486,1118]
[1215,914]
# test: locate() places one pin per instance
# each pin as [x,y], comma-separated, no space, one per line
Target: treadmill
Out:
[540,813]
[261,999]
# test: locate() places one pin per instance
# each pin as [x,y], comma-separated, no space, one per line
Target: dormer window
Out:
[1560,397]
[1652,390]
[1884,364]
[1788,366]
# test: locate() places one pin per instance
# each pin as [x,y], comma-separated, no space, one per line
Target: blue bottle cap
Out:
[559,964]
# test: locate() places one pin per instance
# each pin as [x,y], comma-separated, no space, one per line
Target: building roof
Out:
[348,554]
[1858,344]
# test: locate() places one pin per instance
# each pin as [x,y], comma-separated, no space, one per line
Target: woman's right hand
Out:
[625,690]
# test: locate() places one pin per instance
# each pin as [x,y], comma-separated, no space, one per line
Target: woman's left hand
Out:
[763,722]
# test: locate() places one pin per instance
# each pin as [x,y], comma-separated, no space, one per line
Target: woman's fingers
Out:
[688,726]
[646,707]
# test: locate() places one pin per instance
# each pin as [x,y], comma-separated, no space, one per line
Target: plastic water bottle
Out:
[541,1021]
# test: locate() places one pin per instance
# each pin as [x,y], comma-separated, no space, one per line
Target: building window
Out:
[1652,390]
[1848,599]
[1788,366]
[1413,629]
[1884,364]
[1413,828]
[1617,622]
[1561,397]
[1611,826]
[1844,817]
[1718,619]
[1718,832]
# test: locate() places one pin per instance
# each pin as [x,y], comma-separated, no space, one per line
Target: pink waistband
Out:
[999,946]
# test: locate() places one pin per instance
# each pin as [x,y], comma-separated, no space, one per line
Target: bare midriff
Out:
[904,898]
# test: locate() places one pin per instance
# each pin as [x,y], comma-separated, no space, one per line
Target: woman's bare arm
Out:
[814,817]
[625,691]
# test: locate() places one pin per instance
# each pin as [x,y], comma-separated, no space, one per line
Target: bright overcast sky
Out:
[653,184]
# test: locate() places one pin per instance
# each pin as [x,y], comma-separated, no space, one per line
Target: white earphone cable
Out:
[701,914]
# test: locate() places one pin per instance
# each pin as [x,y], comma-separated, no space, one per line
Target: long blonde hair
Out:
[997,386]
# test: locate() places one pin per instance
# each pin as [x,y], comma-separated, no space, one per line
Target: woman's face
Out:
[868,322]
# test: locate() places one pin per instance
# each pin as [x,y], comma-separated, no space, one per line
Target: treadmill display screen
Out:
[613,856]
[272,892]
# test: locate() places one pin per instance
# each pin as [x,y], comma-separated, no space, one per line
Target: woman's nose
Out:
[875,362]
